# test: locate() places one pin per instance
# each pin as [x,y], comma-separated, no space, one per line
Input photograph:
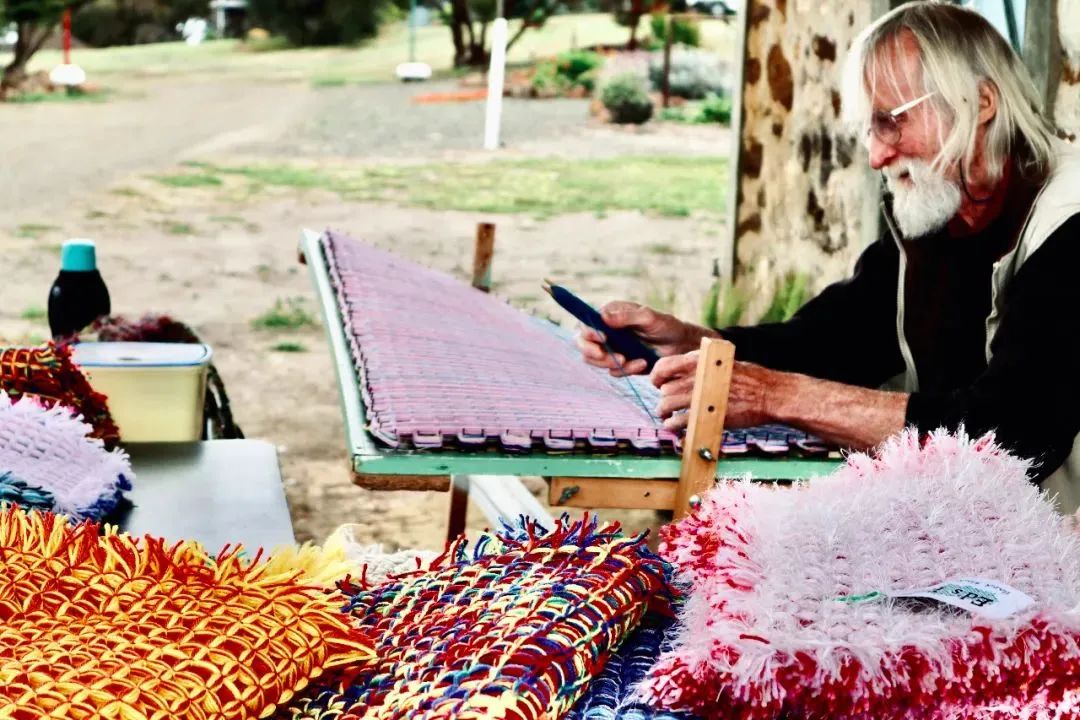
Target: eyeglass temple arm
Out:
[910,104]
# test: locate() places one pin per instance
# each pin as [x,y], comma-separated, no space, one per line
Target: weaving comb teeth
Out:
[427,439]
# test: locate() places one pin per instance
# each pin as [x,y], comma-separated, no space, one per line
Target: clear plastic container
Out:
[156,391]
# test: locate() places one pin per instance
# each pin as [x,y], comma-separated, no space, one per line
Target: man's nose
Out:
[881,154]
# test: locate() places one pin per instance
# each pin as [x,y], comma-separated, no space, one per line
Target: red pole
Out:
[67,36]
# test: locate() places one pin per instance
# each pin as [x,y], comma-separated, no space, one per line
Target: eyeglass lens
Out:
[885,127]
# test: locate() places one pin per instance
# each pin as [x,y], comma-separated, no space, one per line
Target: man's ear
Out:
[988,101]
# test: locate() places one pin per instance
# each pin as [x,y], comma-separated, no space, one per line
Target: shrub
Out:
[99,25]
[684,31]
[715,109]
[672,114]
[694,73]
[790,295]
[576,64]
[626,97]
[122,22]
[547,81]
[331,22]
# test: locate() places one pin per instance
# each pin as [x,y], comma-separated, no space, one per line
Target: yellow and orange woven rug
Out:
[111,626]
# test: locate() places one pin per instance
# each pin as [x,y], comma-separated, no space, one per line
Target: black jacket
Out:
[1029,392]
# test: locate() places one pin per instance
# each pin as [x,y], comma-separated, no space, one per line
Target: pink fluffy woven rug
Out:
[764,635]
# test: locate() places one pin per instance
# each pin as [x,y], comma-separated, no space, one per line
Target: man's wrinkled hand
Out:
[674,376]
[747,399]
[665,333]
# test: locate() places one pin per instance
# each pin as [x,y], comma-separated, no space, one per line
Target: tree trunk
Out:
[459,21]
[30,40]
[478,53]
[636,11]
[14,75]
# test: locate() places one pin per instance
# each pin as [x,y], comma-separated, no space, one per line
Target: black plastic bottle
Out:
[78,296]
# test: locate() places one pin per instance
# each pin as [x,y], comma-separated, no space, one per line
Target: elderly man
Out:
[969,295]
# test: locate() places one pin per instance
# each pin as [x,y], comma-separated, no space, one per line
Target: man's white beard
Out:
[926,204]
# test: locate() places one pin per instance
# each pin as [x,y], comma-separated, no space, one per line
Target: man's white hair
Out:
[958,51]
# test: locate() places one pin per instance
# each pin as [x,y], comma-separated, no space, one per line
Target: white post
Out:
[496,75]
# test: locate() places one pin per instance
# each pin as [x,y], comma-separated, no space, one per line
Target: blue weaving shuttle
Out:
[623,342]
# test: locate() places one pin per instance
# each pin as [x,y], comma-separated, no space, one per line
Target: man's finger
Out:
[590,334]
[673,366]
[677,422]
[626,367]
[670,404]
[593,352]
[683,385]
[623,314]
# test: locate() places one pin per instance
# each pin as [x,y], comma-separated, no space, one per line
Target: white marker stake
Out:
[496,73]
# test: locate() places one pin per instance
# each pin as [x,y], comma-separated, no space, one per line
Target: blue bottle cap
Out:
[78,256]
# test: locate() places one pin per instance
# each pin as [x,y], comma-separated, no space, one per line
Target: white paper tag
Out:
[986,598]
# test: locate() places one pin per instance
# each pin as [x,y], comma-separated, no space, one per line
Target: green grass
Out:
[289,347]
[34,313]
[372,60]
[31,340]
[288,315]
[59,97]
[630,272]
[329,81]
[32,231]
[663,185]
[282,176]
[178,228]
[188,180]
[661,298]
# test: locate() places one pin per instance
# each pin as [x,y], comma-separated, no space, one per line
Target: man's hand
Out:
[664,332]
[849,416]
[747,406]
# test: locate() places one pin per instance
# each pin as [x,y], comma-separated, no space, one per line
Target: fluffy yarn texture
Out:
[98,627]
[763,635]
[611,694]
[372,562]
[514,629]
[48,374]
[51,451]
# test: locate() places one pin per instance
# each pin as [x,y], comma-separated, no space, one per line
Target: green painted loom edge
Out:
[368,458]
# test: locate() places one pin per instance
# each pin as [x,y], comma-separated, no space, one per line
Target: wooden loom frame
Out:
[578,480]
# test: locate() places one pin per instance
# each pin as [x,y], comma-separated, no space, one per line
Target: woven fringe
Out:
[106,626]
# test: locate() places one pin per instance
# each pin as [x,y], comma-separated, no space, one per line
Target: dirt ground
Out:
[84,170]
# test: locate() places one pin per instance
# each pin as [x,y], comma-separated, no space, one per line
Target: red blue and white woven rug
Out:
[515,627]
[797,605]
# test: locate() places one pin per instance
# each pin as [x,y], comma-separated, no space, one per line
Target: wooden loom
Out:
[575,480]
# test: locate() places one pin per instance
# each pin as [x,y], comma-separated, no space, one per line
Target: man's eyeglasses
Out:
[885,125]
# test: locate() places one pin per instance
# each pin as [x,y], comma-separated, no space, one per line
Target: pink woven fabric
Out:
[777,621]
[445,364]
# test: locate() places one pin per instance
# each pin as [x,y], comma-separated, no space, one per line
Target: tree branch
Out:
[36,44]
[526,18]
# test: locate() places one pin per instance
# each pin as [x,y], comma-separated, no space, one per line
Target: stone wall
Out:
[1067,102]
[806,200]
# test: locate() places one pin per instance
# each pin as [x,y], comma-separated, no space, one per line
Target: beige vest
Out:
[1058,200]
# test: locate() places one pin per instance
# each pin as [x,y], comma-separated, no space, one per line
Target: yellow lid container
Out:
[155,391]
